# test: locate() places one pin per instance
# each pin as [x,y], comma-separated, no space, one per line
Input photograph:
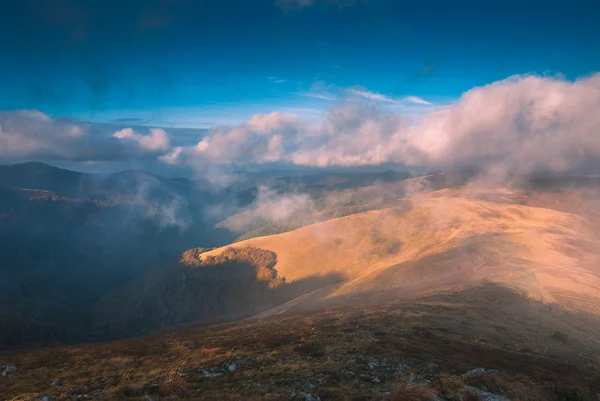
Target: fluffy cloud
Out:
[30,134]
[520,124]
[157,140]
[517,125]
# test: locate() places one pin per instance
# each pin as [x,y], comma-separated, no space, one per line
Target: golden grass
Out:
[444,240]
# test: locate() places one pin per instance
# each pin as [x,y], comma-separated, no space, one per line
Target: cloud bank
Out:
[519,125]
[30,134]
[515,126]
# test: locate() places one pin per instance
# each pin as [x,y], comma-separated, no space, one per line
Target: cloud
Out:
[260,140]
[276,80]
[353,134]
[416,100]
[157,140]
[518,125]
[515,126]
[321,90]
[378,97]
[31,134]
[371,95]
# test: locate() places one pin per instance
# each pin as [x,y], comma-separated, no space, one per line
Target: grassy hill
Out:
[443,239]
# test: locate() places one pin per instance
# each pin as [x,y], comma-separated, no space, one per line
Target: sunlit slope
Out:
[437,241]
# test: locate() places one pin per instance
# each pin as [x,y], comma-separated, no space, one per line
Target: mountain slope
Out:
[437,240]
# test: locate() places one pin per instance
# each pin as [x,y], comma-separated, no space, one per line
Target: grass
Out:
[369,352]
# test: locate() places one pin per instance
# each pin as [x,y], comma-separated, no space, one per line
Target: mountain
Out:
[76,247]
[446,239]
[285,207]
[528,241]
[68,238]
[441,287]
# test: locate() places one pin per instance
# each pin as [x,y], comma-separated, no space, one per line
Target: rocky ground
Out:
[428,350]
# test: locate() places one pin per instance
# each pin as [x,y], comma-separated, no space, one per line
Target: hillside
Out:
[450,346]
[433,241]
[69,238]
[445,239]
[284,207]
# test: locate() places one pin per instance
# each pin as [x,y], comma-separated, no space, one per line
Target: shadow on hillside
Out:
[485,325]
[208,294]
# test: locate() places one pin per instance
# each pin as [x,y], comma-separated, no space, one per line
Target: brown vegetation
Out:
[365,353]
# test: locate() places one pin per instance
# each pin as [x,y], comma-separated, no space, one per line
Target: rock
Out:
[207,373]
[308,387]
[403,369]
[9,369]
[55,383]
[376,380]
[45,398]
[232,367]
[372,364]
[484,395]
[474,372]
[309,397]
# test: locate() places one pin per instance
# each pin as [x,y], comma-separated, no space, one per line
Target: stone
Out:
[207,373]
[372,364]
[474,372]
[232,367]
[484,395]
[9,369]
[55,383]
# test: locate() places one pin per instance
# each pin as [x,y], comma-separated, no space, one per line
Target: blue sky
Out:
[204,85]
[206,63]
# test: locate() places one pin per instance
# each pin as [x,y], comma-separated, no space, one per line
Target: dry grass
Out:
[414,394]
[445,239]
[326,354]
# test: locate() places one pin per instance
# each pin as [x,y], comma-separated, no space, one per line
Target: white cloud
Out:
[416,100]
[520,124]
[378,97]
[31,134]
[371,95]
[517,125]
[157,140]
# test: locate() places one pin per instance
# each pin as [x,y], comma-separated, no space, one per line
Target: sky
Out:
[198,69]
